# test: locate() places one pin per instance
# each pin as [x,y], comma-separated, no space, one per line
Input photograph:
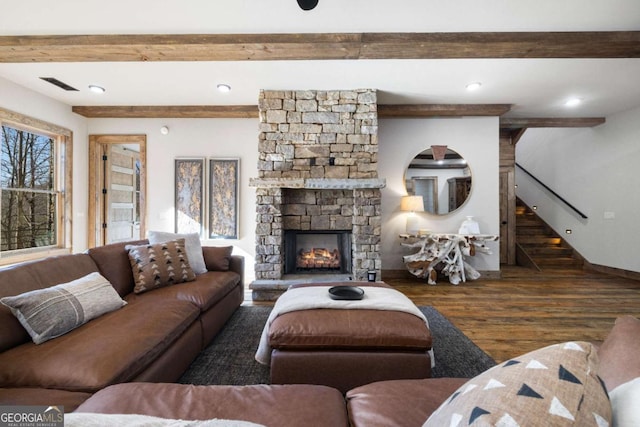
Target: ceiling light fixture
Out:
[573,102]
[307,4]
[222,87]
[473,86]
[97,89]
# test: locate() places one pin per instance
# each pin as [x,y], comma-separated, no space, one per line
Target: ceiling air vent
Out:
[56,82]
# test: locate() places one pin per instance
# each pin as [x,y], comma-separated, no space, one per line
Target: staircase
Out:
[543,247]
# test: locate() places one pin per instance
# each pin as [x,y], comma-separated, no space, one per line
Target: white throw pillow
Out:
[192,246]
[625,401]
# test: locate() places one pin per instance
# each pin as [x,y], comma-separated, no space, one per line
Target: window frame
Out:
[63,174]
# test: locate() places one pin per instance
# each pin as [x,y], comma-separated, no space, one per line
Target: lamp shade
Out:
[412,204]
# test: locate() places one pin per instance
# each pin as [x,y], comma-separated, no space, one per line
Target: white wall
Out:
[594,169]
[219,138]
[475,139]
[17,98]
[400,140]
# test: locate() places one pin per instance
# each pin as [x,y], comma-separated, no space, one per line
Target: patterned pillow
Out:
[51,312]
[158,265]
[192,245]
[552,386]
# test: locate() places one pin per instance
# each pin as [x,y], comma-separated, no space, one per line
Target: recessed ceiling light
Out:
[222,87]
[97,89]
[473,86]
[572,102]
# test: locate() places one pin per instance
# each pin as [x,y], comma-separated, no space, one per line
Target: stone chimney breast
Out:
[317,170]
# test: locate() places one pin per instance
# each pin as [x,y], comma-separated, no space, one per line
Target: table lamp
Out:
[412,204]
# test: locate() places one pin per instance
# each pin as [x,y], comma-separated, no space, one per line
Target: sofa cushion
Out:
[192,245]
[113,348]
[42,397]
[398,403]
[113,263]
[217,258]
[205,291]
[271,405]
[158,265]
[50,312]
[619,353]
[557,384]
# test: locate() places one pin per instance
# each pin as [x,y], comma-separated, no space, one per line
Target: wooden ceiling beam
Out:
[550,122]
[442,110]
[251,111]
[606,44]
[169,111]
[317,46]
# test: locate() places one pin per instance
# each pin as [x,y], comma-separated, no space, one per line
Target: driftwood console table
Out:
[447,250]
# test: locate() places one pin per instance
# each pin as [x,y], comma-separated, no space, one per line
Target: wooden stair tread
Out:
[543,245]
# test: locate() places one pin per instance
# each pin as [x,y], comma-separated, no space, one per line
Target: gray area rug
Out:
[229,359]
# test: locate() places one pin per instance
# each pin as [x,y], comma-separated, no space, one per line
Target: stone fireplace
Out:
[317,175]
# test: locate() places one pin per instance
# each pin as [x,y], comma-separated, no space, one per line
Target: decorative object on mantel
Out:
[447,250]
[469,226]
[412,204]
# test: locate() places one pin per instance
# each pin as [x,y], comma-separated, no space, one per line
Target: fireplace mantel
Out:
[318,183]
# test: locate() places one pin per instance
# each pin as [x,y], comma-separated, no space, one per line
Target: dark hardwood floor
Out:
[526,309]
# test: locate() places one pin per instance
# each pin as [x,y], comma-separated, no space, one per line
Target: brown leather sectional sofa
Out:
[124,362]
[154,338]
[398,403]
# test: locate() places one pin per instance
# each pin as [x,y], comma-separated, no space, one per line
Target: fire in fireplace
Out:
[317,252]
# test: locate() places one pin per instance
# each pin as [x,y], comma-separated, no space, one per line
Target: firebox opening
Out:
[313,252]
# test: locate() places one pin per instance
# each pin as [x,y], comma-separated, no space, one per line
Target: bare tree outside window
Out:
[27,186]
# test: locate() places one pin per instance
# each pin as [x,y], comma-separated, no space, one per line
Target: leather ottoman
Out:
[346,348]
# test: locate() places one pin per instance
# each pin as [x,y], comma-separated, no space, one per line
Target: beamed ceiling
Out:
[164,60]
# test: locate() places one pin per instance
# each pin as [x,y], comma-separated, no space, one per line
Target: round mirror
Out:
[443,180]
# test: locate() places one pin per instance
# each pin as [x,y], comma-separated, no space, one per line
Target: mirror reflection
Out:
[444,184]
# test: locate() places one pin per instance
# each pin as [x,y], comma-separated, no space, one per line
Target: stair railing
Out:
[546,187]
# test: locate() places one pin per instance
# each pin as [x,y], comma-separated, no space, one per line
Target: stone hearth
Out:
[317,170]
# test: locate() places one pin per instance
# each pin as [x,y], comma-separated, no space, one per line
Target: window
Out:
[34,177]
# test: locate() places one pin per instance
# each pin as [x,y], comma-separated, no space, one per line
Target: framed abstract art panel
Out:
[223,198]
[189,195]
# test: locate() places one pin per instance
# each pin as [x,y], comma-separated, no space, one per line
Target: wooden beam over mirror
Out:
[441,110]
[550,122]
[318,46]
